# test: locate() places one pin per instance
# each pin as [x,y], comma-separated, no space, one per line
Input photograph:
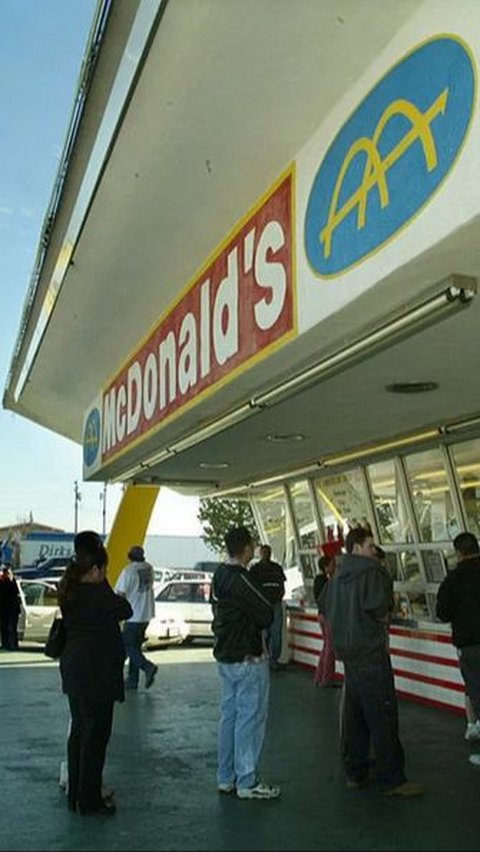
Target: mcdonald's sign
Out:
[391,155]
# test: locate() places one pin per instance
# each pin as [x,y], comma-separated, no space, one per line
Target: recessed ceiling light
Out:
[283,437]
[411,387]
[213,465]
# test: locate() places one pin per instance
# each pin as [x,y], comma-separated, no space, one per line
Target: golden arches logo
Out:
[376,169]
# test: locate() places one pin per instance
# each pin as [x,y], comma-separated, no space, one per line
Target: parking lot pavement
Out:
[162,760]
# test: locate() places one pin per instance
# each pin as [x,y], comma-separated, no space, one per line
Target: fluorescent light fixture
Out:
[456,296]
[126,474]
[331,461]
[282,438]
[460,425]
[205,465]
[157,457]
[286,475]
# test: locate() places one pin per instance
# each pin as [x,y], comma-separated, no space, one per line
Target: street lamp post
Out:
[77,498]
[103,498]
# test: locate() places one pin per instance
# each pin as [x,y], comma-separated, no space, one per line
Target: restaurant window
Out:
[304,515]
[393,522]
[411,604]
[342,499]
[432,501]
[270,505]
[466,458]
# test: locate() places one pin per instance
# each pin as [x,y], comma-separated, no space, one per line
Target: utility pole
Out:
[103,498]
[77,498]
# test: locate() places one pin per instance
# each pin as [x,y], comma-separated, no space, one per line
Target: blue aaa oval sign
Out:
[391,155]
[91,438]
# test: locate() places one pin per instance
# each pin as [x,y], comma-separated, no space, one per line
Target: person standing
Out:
[91,668]
[240,613]
[356,602]
[10,608]
[270,578]
[458,601]
[325,671]
[136,584]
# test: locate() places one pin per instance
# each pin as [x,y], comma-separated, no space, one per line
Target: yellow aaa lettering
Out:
[375,172]
[91,436]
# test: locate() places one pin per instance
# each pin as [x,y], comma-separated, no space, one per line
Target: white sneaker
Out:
[475,759]
[472,731]
[63,780]
[259,791]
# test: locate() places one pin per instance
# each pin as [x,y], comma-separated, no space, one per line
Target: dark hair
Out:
[466,544]
[323,562]
[356,535]
[89,551]
[87,541]
[267,549]
[237,539]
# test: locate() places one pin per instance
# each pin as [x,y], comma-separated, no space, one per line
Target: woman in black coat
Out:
[91,667]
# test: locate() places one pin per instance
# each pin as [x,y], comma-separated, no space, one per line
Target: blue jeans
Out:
[133,636]
[274,635]
[243,718]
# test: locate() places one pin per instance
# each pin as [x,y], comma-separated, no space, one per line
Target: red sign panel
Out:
[231,315]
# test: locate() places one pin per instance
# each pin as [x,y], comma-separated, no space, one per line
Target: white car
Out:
[163,630]
[186,601]
[40,606]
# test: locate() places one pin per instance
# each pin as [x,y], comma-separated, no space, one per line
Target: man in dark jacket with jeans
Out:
[458,601]
[356,602]
[240,612]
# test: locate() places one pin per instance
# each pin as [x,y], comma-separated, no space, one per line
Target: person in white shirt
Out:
[135,583]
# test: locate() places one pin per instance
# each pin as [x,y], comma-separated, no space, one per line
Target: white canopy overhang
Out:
[192,111]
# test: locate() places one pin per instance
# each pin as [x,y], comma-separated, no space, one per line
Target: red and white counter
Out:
[425,662]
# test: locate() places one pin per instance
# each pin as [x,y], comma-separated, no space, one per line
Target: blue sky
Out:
[42,43]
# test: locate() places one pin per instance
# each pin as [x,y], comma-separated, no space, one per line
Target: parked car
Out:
[49,568]
[40,606]
[165,630]
[165,575]
[187,601]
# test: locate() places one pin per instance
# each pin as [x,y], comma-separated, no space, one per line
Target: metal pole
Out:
[77,498]
[104,508]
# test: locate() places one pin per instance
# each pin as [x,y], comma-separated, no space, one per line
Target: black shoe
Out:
[150,676]
[104,808]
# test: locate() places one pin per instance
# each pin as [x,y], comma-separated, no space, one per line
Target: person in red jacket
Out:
[325,671]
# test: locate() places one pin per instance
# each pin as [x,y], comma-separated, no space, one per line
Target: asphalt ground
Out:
[162,760]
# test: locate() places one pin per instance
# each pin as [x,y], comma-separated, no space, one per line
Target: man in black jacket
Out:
[458,601]
[270,578]
[240,612]
[356,601]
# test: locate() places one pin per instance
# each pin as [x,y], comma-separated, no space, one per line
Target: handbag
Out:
[56,640]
